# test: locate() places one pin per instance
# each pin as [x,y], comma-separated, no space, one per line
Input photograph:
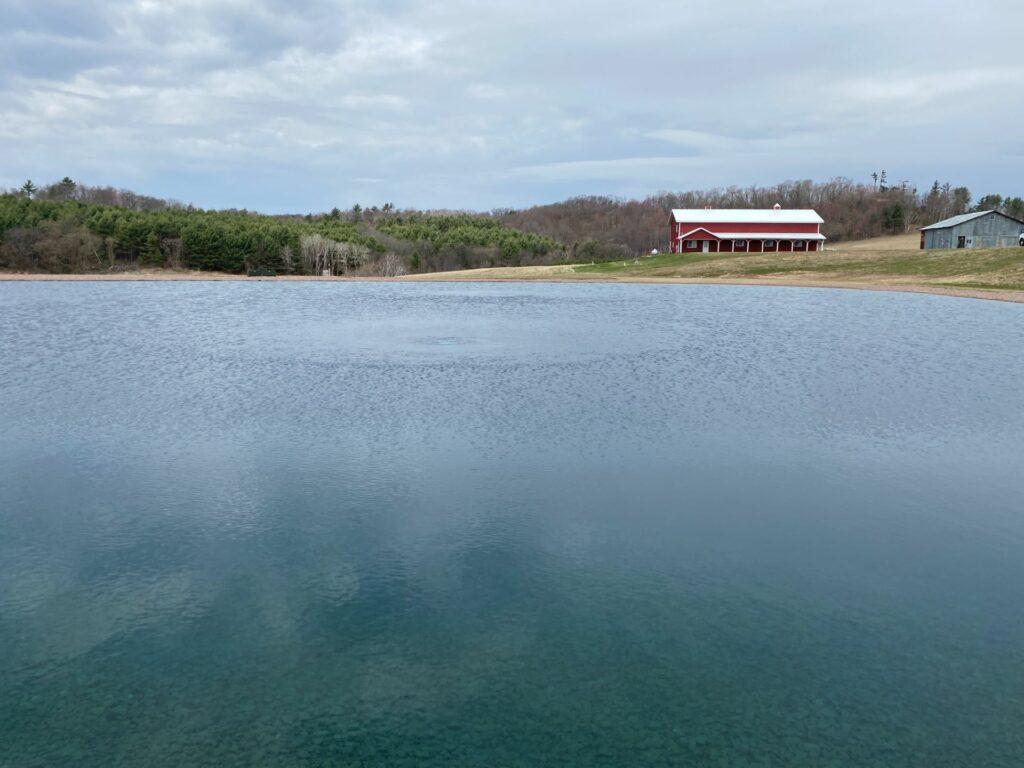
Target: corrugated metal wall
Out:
[991,231]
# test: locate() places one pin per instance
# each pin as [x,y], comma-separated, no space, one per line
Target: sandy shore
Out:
[550,274]
[938,290]
[151,275]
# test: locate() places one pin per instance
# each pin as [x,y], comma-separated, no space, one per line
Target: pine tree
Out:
[989,203]
[1014,206]
[961,200]
[893,217]
[28,189]
[66,188]
[150,254]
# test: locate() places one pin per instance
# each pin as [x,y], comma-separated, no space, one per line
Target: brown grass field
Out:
[885,263]
[881,264]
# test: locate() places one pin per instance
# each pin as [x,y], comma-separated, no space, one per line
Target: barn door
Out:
[961,241]
[707,246]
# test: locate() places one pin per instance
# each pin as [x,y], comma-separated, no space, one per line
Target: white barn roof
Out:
[746,216]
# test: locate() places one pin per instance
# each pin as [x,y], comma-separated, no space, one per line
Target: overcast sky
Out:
[285,105]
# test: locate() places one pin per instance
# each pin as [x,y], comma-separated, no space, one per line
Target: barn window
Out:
[798,243]
[691,243]
[741,243]
[769,243]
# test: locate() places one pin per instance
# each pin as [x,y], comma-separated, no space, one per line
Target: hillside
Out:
[69,228]
[852,211]
[71,236]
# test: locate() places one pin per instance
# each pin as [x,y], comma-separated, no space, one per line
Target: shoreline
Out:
[989,294]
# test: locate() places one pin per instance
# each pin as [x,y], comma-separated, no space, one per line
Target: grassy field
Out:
[894,263]
[871,261]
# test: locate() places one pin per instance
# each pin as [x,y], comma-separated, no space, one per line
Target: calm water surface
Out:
[501,525]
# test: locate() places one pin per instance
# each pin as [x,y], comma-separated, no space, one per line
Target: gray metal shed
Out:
[983,229]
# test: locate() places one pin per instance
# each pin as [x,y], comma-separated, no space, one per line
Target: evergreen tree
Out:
[28,189]
[893,217]
[66,188]
[989,203]
[1014,206]
[961,200]
[149,252]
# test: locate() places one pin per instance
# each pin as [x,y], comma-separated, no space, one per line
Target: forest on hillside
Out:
[70,227]
[67,227]
[851,210]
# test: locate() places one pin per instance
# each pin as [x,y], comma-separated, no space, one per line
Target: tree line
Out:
[67,227]
[851,210]
[72,227]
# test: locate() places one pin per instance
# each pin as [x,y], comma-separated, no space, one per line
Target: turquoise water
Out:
[313,524]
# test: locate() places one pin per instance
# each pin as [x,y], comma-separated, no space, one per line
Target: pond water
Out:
[499,525]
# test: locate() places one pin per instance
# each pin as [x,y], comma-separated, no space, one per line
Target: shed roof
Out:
[746,216]
[953,221]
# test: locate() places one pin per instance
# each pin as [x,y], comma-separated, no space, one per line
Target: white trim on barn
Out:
[759,235]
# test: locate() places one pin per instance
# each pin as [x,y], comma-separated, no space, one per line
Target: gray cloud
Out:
[303,105]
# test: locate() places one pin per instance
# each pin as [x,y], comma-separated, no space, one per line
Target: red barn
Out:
[722,230]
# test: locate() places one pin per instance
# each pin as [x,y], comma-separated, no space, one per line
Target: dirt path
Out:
[892,287]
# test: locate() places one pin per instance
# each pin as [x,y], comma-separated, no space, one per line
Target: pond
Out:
[309,524]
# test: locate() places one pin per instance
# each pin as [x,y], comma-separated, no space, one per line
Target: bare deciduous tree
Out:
[390,265]
[321,255]
[52,246]
[287,259]
[852,211]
